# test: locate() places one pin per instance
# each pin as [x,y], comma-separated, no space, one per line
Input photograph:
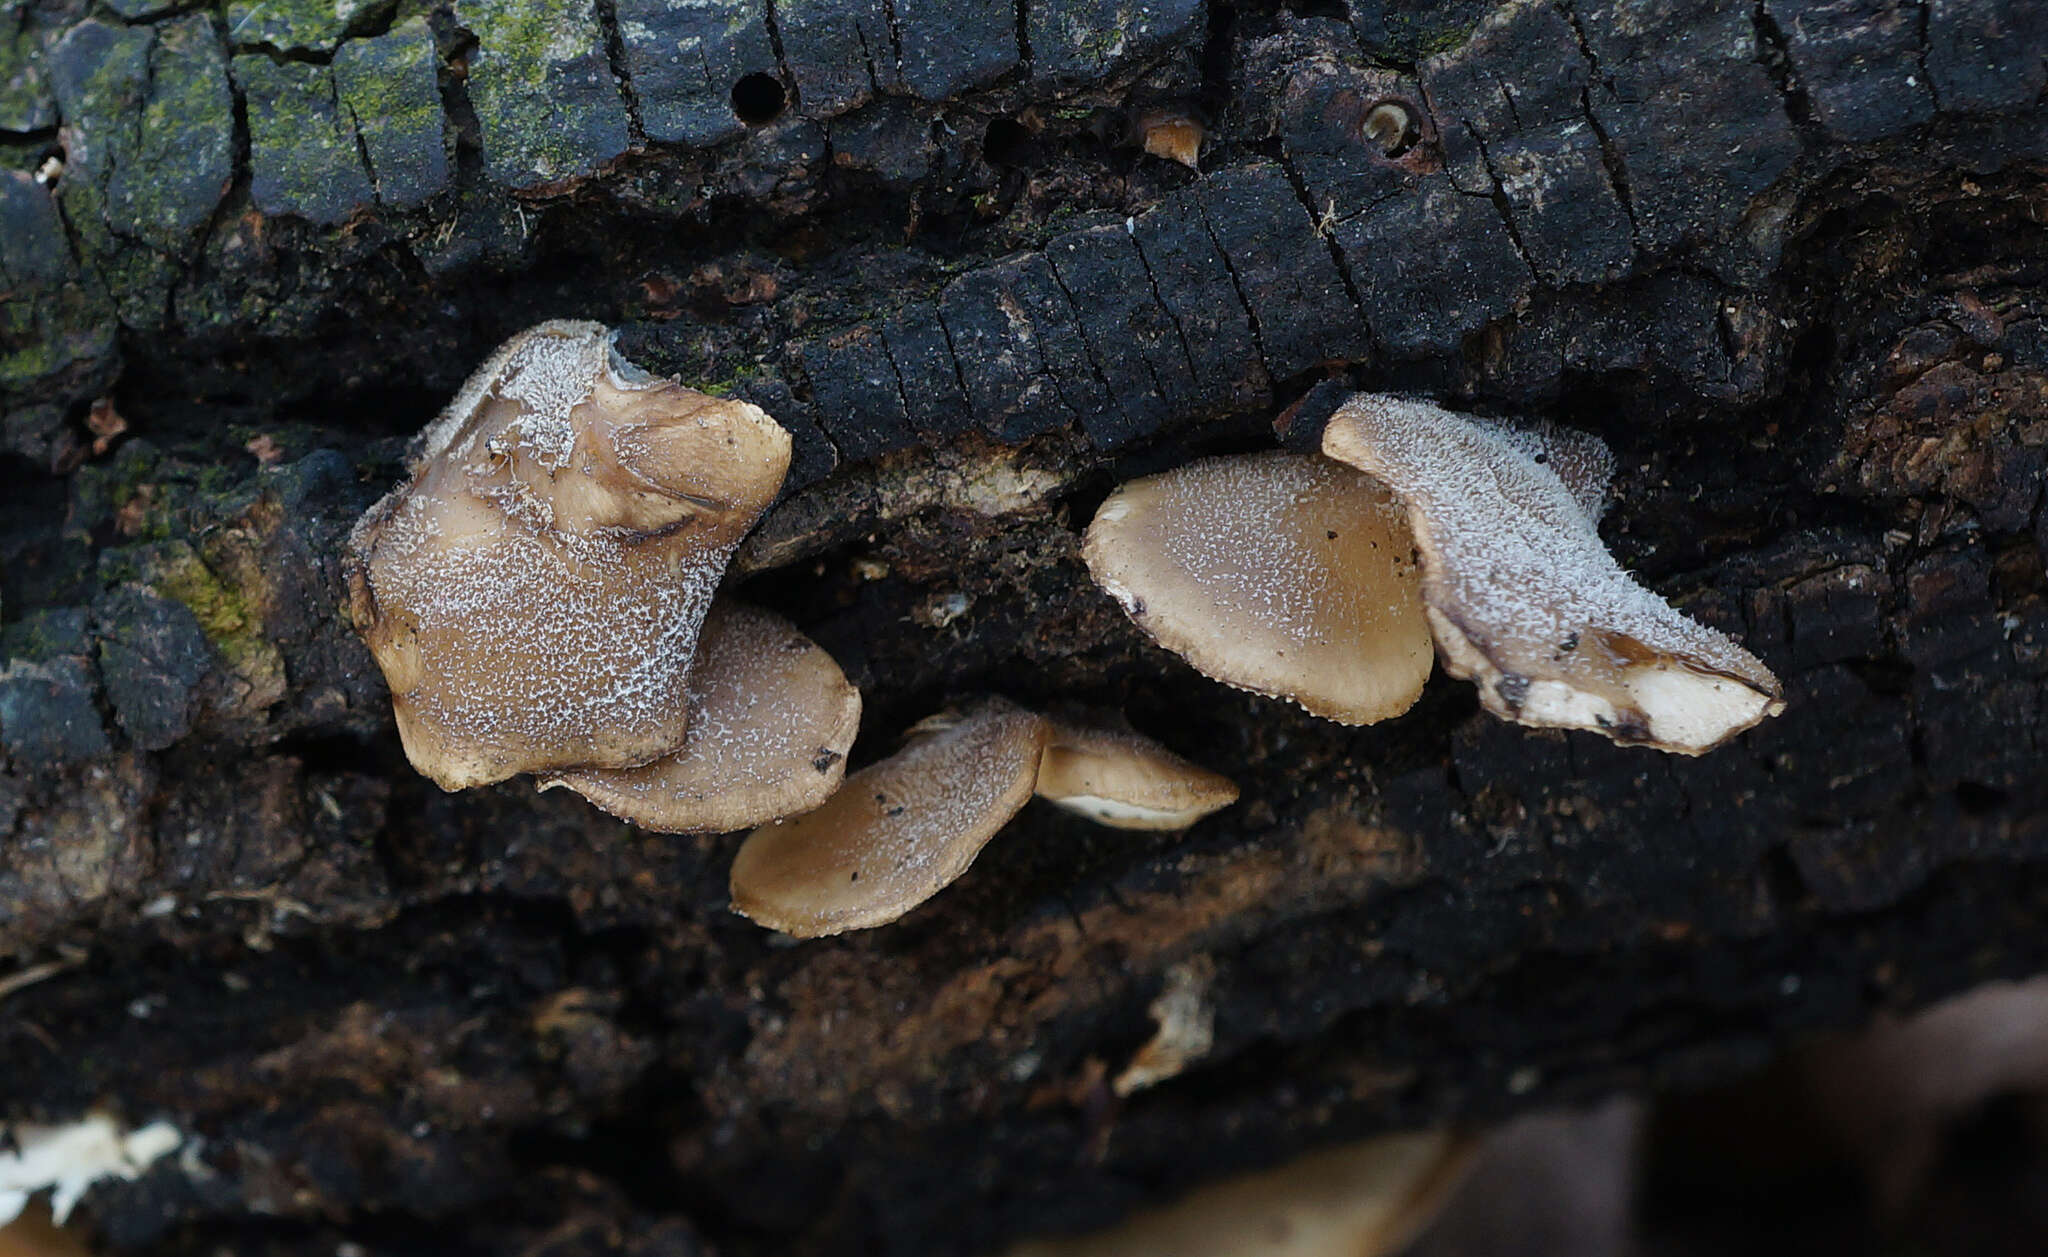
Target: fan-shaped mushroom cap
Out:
[533,593]
[1523,596]
[898,831]
[771,719]
[1127,781]
[1280,573]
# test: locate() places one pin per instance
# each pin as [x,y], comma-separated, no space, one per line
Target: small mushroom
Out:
[771,720]
[901,830]
[1525,599]
[1391,126]
[1281,573]
[1126,781]
[533,593]
[1173,134]
[898,831]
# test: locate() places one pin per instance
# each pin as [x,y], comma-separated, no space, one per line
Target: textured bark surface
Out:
[1786,258]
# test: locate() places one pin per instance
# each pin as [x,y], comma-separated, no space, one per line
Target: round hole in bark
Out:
[758,98]
[1006,142]
[1391,126]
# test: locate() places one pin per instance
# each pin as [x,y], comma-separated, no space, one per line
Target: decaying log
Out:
[1785,258]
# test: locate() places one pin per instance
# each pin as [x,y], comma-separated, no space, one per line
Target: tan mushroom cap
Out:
[533,594]
[1525,599]
[1281,573]
[1172,134]
[1368,1199]
[771,720]
[1126,781]
[898,831]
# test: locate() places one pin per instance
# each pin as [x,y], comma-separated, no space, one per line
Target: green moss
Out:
[524,41]
[185,150]
[29,354]
[182,575]
[722,385]
[44,635]
[387,85]
[316,25]
[229,614]
[540,85]
[99,490]
[302,153]
[1414,40]
[25,100]
[214,479]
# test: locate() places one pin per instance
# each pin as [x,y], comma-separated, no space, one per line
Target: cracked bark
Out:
[501,1022]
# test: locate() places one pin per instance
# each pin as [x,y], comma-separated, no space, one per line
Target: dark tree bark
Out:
[1786,258]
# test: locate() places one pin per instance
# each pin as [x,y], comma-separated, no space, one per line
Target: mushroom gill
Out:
[771,720]
[1524,598]
[1281,573]
[534,592]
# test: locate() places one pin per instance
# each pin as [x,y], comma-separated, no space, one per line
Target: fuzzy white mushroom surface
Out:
[534,592]
[1523,596]
[771,720]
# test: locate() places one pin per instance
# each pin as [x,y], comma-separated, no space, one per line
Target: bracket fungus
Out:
[1524,598]
[534,592]
[1286,574]
[899,831]
[771,720]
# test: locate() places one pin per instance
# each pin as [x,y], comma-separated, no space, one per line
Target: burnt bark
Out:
[1786,258]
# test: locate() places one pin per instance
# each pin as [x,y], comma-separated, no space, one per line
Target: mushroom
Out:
[1119,779]
[1281,573]
[771,719]
[534,592]
[1367,1199]
[897,832]
[1173,134]
[901,830]
[1525,599]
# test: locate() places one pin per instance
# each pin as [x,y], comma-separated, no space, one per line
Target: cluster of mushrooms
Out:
[542,596]
[1326,579]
